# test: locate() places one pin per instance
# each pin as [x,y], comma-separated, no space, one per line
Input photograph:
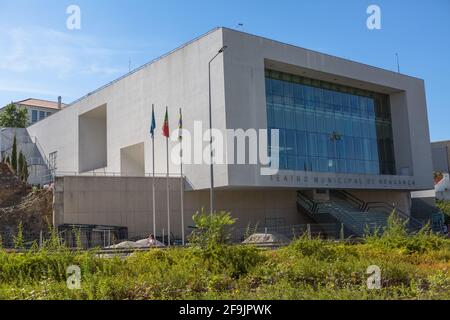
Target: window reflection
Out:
[326,127]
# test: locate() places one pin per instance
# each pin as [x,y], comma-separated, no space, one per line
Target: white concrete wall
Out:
[132,160]
[37,167]
[92,141]
[247,57]
[180,79]
[127,202]
[60,133]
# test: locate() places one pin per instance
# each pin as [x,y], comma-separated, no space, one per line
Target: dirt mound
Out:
[11,188]
[18,203]
[266,238]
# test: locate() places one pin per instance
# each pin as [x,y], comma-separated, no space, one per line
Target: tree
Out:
[13,117]
[14,155]
[211,229]
[25,173]
[20,166]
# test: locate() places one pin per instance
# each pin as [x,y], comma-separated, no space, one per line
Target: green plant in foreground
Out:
[395,236]
[413,267]
[211,229]
[20,161]
[444,206]
[14,155]
[18,239]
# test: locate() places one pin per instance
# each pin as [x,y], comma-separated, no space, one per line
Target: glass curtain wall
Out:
[325,127]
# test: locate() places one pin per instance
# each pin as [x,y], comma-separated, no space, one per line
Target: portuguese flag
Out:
[166,124]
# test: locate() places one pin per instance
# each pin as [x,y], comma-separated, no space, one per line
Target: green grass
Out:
[413,267]
[307,269]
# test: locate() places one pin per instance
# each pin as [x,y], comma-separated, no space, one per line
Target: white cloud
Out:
[62,54]
[26,88]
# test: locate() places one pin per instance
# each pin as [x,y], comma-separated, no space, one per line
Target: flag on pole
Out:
[166,132]
[180,127]
[152,132]
[180,139]
[153,123]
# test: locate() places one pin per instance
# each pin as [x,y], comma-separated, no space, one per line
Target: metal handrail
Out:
[346,214]
[25,140]
[308,202]
[383,205]
[35,161]
[352,198]
[367,206]
[350,221]
[41,151]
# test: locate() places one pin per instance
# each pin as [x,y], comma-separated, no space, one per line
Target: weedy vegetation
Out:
[412,267]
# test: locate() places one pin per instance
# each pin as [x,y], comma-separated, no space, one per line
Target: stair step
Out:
[347,214]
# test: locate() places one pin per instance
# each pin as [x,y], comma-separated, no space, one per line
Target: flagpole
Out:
[167,185]
[153,187]
[181,179]
[182,203]
[152,131]
[168,194]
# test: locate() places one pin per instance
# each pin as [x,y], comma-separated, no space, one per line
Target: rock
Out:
[266,238]
[135,245]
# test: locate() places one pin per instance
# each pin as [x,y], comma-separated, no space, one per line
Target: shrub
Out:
[18,239]
[25,173]
[413,267]
[395,236]
[20,162]
[444,206]
[14,155]
[239,260]
[211,229]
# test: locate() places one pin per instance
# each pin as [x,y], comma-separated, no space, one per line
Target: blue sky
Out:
[41,58]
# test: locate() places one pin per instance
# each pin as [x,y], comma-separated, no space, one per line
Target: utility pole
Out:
[398,63]
[211,193]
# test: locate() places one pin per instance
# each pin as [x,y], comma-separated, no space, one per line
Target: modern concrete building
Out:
[353,138]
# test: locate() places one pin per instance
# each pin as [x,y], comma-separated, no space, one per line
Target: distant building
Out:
[441,156]
[442,188]
[441,163]
[39,109]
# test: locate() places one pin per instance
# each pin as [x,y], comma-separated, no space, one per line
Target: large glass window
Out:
[34,116]
[325,127]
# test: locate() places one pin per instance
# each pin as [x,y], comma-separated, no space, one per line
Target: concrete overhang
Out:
[329,77]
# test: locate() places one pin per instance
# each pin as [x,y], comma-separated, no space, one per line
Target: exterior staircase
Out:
[356,216]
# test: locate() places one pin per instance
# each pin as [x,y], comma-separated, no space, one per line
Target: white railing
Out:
[113,174]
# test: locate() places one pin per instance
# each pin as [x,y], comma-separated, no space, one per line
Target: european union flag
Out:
[153,125]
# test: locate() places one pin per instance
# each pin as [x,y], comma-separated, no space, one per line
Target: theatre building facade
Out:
[353,139]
